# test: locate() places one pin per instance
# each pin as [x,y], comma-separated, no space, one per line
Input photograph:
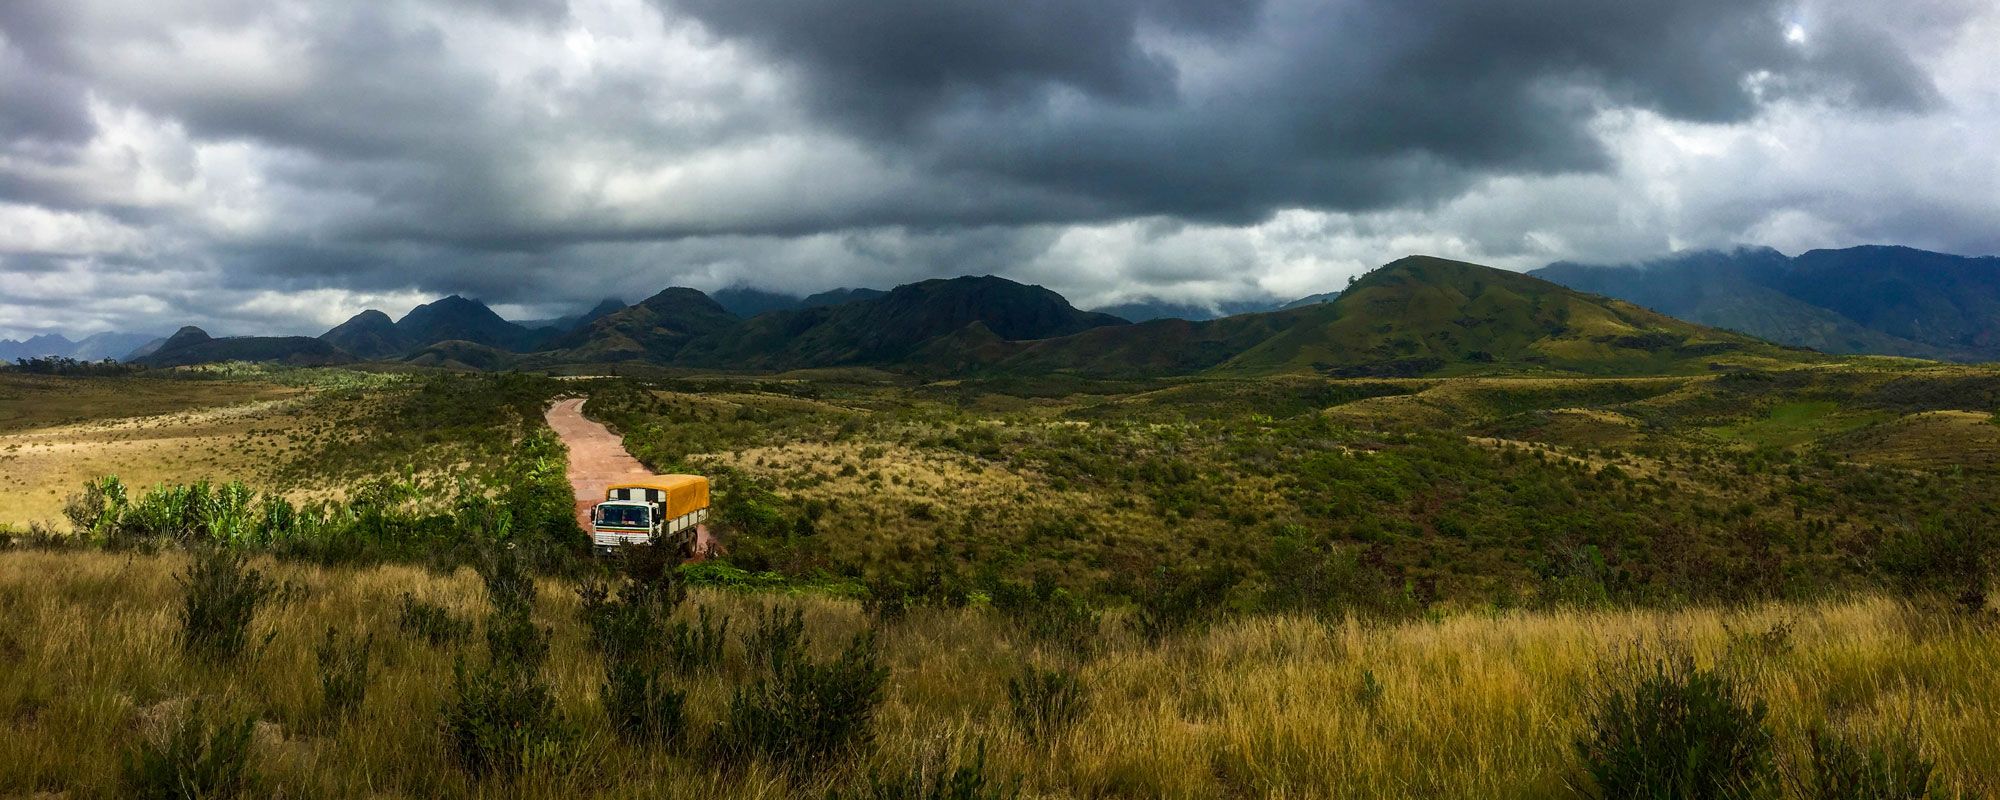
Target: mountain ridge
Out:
[1871,299]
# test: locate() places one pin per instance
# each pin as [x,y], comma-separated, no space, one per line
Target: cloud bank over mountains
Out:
[261,167]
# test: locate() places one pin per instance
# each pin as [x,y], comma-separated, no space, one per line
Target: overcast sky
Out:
[274,166]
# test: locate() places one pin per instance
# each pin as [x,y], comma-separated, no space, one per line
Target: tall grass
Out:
[1466,705]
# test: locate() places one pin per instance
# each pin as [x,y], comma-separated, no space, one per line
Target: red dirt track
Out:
[597,459]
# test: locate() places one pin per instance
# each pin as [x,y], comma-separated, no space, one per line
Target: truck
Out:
[651,510]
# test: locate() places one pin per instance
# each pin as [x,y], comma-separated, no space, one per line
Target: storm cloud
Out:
[276,166]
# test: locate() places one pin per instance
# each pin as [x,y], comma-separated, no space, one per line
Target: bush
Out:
[219,598]
[1175,601]
[1327,582]
[804,713]
[1050,615]
[1845,770]
[934,777]
[503,713]
[500,719]
[343,673]
[640,703]
[1952,558]
[198,760]
[779,636]
[697,646]
[430,622]
[1679,732]
[1045,701]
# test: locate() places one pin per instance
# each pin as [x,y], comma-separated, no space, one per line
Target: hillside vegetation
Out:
[1545,579]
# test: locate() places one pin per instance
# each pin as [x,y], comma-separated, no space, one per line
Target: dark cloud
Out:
[550,152]
[1344,105]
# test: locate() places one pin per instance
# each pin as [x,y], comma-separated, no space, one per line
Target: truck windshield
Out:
[623,516]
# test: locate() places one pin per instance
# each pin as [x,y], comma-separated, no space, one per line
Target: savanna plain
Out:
[1739,582]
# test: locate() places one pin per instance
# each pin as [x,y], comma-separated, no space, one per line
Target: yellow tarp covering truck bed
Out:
[680,494]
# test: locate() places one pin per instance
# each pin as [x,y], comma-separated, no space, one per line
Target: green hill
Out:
[1422,315]
[656,329]
[191,345]
[899,328]
[1416,316]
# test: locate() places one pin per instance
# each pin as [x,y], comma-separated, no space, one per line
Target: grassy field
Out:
[56,433]
[1467,705]
[1288,586]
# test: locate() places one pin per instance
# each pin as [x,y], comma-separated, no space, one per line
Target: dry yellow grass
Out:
[1470,706]
[241,441]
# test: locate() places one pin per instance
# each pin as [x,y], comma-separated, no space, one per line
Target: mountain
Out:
[1312,299]
[835,297]
[1415,316]
[1420,315]
[1937,299]
[893,327]
[744,301]
[570,322]
[1885,300]
[458,318]
[656,328]
[95,347]
[192,345]
[461,355]
[747,302]
[150,347]
[369,335]
[1151,308]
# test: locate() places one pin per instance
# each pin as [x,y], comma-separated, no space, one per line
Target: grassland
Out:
[1370,587]
[1467,705]
[1734,486]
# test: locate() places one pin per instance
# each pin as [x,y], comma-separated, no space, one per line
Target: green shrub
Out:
[503,713]
[1846,770]
[640,703]
[1177,600]
[199,759]
[343,673]
[934,777]
[219,598]
[779,637]
[1045,701]
[430,622]
[1050,614]
[886,600]
[501,717]
[803,713]
[1952,558]
[1679,732]
[697,646]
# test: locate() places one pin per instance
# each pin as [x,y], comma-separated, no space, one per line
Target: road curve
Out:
[597,459]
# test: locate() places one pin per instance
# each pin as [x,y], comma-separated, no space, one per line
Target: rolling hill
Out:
[1415,316]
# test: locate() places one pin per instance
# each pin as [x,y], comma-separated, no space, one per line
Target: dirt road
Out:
[597,459]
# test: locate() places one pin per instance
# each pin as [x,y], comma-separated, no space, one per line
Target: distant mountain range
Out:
[95,347]
[1415,316]
[1873,299]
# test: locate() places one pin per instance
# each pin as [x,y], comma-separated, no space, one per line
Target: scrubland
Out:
[1289,587]
[1468,705]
